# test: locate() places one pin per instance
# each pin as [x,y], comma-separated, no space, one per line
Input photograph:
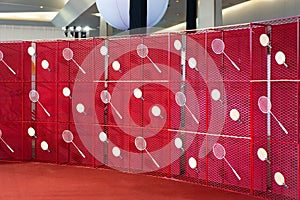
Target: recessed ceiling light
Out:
[177,1]
[41,7]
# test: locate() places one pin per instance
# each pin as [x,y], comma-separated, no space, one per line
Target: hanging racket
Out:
[81,109]
[117,152]
[31,132]
[193,64]
[5,142]
[280,58]
[263,155]
[45,146]
[219,152]
[1,59]
[104,51]
[116,66]
[177,45]
[45,65]
[137,92]
[193,164]
[265,106]
[106,98]
[142,51]
[180,99]
[103,137]
[280,180]
[68,55]
[216,95]
[235,115]
[141,145]
[31,51]
[156,111]
[67,92]
[34,97]
[218,47]
[265,40]
[68,138]
[178,143]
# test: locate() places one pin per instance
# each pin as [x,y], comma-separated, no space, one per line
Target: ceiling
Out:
[47,13]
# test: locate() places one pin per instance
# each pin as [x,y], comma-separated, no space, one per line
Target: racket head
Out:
[80,108]
[192,163]
[34,96]
[138,93]
[45,64]
[177,45]
[264,104]
[178,143]
[280,57]
[105,96]
[116,151]
[192,63]
[44,145]
[67,136]
[279,178]
[31,131]
[264,40]
[215,94]
[155,110]
[218,46]
[102,137]
[66,91]
[219,151]
[180,98]
[140,143]
[67,54]
[1,55]
[234,114]
[31,51]
[142,50]
[116,65]
[103,50]
[262,154]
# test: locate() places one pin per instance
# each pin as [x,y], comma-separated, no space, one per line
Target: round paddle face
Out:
[178,143]
[234,114]
[280,57]
[31,51]
[31,131]
[34,96]
[45,64]
[116,65]
[264,40]
[1,55]
[215,94]
[102,137]
[177,45]
[140,143]
[192,63]
[67,54]
[279,178]
[262,154]
[180,98]
[44,145]
[103,50]
[105,96]
[116,151]
[219,151]
[192,163]
[142,50]
[80,108]
[67,136]
[66,92]
[218,46]
[156,111]
[137,93]
[264,104]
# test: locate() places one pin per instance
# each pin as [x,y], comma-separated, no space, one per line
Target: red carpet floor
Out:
[39,181]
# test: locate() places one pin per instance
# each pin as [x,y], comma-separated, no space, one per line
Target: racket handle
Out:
[119,115]
[10,148]
[44,109]
[157,68]
[78,150]
[196,120]
[280,124]
[236,174]
[233,63]
[9,67]
[286,65]
[157,165]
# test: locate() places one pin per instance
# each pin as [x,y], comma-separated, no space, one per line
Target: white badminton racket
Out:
[280,180]
[5,142]
[193,63]
[45,65]
[31,132]
[280,58]
[34,97]
[219,152]
[67,92]
[68,138]
[177,45]
[103,137]
[181,101]
[141,145]
[116,66]
[68,55]
[193,164]
[45,146]
[216,95]
[117,152]
[103,50]
[265,40]
[31,51]
[235,115]
[137,92]
[81,109]
[263,155]
[218,47]
[1,59]
[178,143]
[106,98]
[265,106]
[156,111]
[142,51]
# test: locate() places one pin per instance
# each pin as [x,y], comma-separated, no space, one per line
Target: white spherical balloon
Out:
[116,13]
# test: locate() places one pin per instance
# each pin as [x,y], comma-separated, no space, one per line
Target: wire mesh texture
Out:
[195,105]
